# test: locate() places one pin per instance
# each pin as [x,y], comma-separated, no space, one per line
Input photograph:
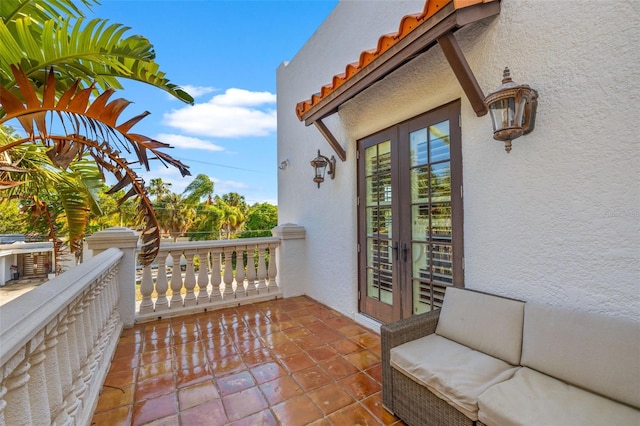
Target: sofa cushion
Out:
[594,352]
[489,324]
[453,372]
[532,398]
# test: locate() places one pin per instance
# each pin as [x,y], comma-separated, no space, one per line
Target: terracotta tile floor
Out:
[290,362]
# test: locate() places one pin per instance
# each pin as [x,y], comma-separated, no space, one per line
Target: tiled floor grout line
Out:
[244,328]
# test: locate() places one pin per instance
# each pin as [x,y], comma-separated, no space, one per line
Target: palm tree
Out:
[201,186]
[175,214]
[234,212]
[54,202]
[51,67]
[159,188]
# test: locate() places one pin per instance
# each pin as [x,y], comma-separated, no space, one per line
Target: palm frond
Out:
[40,11]
[93,130]
[93,51]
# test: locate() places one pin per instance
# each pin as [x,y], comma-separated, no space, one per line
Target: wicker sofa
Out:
[490,360]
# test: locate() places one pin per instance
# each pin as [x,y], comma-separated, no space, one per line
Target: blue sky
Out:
[225,54]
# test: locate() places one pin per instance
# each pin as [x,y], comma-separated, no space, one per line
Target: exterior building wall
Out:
[557,220]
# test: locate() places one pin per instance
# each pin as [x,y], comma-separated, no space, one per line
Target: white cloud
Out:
[235,113]
[187,142]
[197,91]
[225,186]
[240,97]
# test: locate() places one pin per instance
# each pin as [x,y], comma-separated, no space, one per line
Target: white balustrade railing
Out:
[230,272]
[56,344]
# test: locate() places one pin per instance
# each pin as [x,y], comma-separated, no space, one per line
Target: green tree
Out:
[55,202]
[57,74]
[261,219]
[175,214]
[112,213]
[10,217]
[159,188]
[208,223]
[201,187]
[234,211]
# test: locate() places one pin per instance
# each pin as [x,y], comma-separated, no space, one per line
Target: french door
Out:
[410,215]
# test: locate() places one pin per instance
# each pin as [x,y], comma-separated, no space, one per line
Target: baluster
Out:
[228,274]
[251,271]
[176,281]
[203,276]
[162,284]
[37,385]
[146,288]
[68,362]
[216,274]
[53,370]
[91,321]
[240,291]
[18,409]
[79,386]
[262,269]
[190,280]
[101,300]
[64,357]
[272,271]
[89,332]
[76,329]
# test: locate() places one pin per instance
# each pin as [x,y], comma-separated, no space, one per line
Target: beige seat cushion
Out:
[594,352]
[532,398]
[489,324]
[451,371]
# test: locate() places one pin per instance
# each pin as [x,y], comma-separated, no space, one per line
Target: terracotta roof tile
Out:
[407,24]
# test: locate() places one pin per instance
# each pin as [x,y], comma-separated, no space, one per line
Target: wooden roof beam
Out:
[461,69]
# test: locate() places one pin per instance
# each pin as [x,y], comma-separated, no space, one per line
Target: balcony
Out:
[220,343]
[287,361]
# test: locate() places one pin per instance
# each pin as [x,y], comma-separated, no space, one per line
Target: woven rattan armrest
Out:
[397,333]
[408,329]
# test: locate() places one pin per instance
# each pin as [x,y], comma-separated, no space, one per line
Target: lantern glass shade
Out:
[507,116]
[320,164]
[512,108]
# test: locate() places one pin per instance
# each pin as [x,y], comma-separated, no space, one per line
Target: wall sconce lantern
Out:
[320,164]
[513,110]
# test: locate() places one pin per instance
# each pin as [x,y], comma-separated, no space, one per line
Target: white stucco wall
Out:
[558,219]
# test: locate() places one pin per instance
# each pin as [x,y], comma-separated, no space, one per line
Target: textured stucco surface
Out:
[557,220]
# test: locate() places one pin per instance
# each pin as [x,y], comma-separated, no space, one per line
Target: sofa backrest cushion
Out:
[486,323]
[594,352]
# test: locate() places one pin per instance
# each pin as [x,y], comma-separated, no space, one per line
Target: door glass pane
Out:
[418,145]
[441,265]
[379,221]
[380,270]
[384,157]
[427,296]
[373,289]
[378,189]
[421,257]
[370,160]
[441,222]
[420,222]
[439,142]
[420,184]
[431,215]
[441,182]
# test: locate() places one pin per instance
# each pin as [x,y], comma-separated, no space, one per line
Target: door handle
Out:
[395,250]
[405,249]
